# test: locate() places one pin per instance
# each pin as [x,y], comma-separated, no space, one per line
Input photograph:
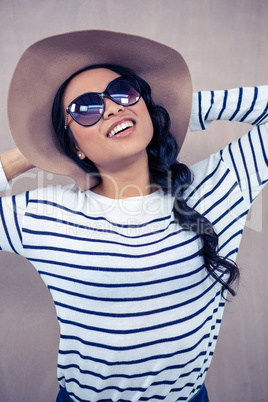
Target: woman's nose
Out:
[111,108]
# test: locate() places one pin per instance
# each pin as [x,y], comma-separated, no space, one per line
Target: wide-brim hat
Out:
[46,64]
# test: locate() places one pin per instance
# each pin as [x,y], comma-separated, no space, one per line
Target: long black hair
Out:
[171,175]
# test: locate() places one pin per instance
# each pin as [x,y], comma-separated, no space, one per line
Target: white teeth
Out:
[120,127]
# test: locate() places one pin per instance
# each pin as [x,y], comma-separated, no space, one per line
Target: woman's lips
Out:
[120,128]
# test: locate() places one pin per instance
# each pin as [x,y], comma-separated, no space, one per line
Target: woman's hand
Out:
[14,163]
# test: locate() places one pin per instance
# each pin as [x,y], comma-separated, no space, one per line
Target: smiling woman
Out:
[138,263]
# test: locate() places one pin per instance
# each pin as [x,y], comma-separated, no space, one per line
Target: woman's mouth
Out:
[120,128]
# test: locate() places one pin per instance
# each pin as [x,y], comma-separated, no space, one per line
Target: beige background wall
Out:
[225,45]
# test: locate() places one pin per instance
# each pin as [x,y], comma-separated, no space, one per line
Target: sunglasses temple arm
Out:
[66,120]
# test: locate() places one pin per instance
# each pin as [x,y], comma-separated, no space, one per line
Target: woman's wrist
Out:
[14,163]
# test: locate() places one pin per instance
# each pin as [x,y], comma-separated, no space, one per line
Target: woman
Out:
[138,265]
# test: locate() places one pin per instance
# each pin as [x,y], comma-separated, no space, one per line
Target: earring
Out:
[79,155]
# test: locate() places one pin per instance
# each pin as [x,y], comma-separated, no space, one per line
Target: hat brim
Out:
[46,64]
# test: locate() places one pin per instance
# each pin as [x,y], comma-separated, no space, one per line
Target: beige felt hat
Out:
[46,64]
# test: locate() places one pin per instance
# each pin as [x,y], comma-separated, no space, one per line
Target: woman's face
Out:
[94,142]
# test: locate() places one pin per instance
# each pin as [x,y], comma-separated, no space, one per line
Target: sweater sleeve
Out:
[247,158]
[12,210]
[248,105]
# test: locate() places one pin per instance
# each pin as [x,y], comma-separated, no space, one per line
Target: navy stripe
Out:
[220,200]
[200,111]
[251,108]
[232,253]
[262,117]
[238,104]
[254,159]
[211,102]
[223,105]
[231,208]
[262,146]
[84,386]
[238,233]
[242,215]
[246,169]
[234,163]
[27,198]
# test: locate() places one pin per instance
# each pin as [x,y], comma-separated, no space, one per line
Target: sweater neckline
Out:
[109,200]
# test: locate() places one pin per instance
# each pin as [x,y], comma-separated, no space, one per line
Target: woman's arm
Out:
[12,208]
[14,163]
[248,105]
[246,158]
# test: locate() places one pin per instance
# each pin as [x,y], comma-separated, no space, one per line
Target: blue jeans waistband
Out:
[201,396]
[63,396]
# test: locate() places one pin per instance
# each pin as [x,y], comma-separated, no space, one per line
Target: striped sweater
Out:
[139,316]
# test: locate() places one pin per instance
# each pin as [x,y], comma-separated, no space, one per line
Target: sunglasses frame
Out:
[101,95]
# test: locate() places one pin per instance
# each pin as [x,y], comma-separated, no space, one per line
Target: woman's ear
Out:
[79,153]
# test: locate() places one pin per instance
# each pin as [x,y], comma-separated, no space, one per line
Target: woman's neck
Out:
[131,181]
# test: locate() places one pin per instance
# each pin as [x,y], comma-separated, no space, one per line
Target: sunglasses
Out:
[88,109]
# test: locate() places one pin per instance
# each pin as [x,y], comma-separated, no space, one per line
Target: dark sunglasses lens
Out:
[87,109]
[124,92]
